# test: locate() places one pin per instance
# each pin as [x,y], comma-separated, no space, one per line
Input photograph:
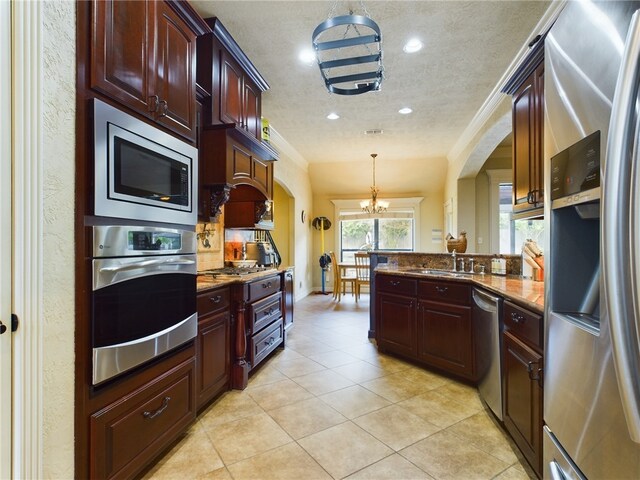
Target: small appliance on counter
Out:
[261,252]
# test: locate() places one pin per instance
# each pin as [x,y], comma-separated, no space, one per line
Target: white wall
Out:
[58,188]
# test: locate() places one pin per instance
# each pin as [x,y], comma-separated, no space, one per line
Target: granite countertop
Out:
[206,282]
[523,291]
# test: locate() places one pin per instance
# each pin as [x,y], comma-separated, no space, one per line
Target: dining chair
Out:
[341,279]
[362,272]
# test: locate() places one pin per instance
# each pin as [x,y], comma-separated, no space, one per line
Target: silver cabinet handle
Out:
[618,257]
[163,407]
[164,108]
[441,290]
[266,285]
[394,283]
[216,299]
[519,319]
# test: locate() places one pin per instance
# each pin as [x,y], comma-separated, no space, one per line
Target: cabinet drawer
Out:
[524,324]
[133,430]
[213,301]
[397,285]
[445,292]
[265,311]
[263,287]
[263,343]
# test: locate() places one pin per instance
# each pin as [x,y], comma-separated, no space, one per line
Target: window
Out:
[393,234]
[514,233]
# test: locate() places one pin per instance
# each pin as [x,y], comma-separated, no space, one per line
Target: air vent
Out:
[376,131]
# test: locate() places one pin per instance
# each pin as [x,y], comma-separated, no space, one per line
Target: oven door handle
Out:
[110,271]
[146,263]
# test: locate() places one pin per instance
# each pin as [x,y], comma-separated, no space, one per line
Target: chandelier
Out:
[349,52]
[374,205]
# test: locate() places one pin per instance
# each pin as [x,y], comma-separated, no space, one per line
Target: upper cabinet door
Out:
[252,120]
[122,59]
[230,91]
[175,80]
[524,104]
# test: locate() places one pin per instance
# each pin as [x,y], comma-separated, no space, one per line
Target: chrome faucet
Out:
[455,265]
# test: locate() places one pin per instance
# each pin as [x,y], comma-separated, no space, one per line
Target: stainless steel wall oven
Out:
[143,300]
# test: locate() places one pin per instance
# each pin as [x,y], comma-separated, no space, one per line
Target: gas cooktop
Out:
[234,271]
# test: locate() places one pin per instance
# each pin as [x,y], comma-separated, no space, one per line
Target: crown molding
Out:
[492,102]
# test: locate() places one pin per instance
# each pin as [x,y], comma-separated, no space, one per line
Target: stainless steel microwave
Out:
[141,172]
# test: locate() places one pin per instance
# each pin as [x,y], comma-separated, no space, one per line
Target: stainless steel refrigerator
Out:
[592,210]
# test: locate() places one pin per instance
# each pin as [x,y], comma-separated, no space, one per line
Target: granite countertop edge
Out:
[522,291]
[207,282]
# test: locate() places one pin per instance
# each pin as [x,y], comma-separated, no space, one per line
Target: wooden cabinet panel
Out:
[263,174]
[241,164]
[445,337]
[440,291]
[524,324]
[523,396]
[397,285]
[230,91]
[131,431]
[396,324]
[523,141]
[528,142]
[252,120]
[265,311]
[213,356]
[263,287]
[122,59]
[288,299]
[265,342]
[175,72]
[143,56]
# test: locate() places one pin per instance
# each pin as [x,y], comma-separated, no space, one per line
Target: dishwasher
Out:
[487,320]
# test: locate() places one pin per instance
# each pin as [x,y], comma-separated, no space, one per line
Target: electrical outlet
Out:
[300,285]
[480,240]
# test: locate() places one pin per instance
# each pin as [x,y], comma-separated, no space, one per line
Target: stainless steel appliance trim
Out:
[110,271]
[112,241]
[115,359]
[490,385]
[616,246]
[577,198]
[109,204]
[559,465]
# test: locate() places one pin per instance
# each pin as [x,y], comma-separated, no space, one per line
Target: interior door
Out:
[5,240]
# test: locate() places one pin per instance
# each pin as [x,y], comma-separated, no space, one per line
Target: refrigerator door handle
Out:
[619,236]
[556,471]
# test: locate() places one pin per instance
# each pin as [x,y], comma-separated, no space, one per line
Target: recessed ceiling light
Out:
[405,111]
[412,46]
[333,116]
[308,57]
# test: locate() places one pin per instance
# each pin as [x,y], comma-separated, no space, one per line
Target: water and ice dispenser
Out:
[575,234]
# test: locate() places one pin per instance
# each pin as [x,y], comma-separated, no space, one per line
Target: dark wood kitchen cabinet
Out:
[396,315]
[223,68]
[288,299]
[522,381]
[526,87]
[143,55]
[213,366]
[427,321]
[445,337]
[259,325]
[240,98]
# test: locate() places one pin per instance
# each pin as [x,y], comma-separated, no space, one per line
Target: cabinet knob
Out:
[164,108]
[154,100]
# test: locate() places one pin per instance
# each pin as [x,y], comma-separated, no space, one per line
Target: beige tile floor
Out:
[329,406]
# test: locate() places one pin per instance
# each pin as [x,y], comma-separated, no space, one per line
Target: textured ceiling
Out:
[468,47]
